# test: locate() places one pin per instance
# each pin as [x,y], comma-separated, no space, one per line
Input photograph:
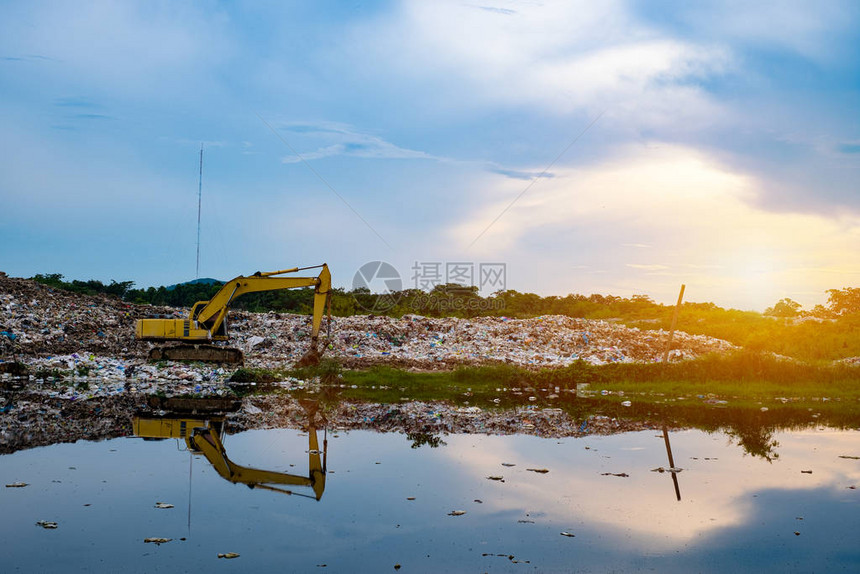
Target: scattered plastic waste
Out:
[47,525]
[228,555]
[163,505]
[17,485]
[539,470]
[457,513]
[157,541]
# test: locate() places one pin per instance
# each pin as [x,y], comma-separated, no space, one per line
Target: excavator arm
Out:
[203,436]
[207,320]
[207,442]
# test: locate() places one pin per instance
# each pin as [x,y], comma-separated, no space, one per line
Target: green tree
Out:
[784,308]
[844,301]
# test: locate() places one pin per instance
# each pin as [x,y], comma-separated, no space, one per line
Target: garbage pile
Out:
[433,343]
[61,333]
[36,320]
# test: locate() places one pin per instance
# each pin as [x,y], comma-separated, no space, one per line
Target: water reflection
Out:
[395,505]
[673,470]
[204,436]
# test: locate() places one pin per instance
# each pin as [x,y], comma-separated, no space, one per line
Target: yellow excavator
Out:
[207,320]
[203,436]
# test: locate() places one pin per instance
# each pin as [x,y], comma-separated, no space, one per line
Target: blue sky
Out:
[628,146]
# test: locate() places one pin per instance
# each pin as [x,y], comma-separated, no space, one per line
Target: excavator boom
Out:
[207,320]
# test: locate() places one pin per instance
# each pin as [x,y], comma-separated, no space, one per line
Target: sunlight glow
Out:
[700,220]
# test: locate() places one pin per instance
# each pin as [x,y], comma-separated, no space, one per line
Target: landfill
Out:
[85,374]
[93,337]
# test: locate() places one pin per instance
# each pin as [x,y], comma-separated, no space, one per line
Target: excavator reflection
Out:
[202,435]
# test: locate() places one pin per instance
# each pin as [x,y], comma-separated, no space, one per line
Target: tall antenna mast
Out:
[199,203]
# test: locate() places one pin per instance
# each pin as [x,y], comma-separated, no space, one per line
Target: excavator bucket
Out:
[309,359]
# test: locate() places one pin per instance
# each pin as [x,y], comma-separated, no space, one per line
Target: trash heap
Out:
[433,343]
[92,337]
[36,320]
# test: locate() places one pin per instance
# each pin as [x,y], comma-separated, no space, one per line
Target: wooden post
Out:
[674,322]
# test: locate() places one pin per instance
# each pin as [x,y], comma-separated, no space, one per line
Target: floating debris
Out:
[457,513]
[17,485]
[661,470]
[619,474]
[410,498]
[397,566]
[510,557]
[509,464]
[47,525]
[805,472]
[525,521]
[157,541]
[163,505]
[849,457]
[538,470]
[229,555]
[501,478]
[568,534]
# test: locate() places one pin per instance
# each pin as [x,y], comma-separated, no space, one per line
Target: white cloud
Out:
[698,216]
[348,141]
[558,56]
[647,267]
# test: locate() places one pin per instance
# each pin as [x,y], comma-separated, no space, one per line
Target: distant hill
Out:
[201,281]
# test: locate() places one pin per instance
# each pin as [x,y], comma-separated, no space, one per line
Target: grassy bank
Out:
[741,374]
[741,379]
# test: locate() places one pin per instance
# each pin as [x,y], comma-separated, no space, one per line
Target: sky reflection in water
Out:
[736,510]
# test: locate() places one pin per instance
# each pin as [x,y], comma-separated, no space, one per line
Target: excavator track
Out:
[202,353]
